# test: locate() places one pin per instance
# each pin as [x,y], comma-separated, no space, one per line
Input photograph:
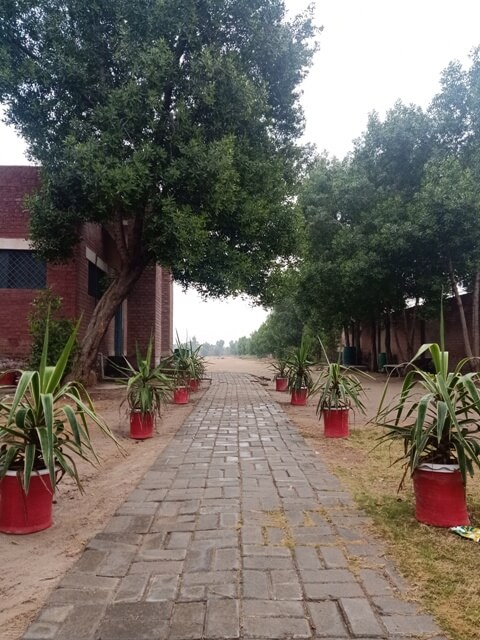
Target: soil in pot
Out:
[440,496]
[141,425]
[335,423]
[22,513]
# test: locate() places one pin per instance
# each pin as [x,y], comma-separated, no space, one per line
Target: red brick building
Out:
[147,311]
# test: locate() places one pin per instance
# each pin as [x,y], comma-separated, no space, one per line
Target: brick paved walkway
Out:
[237,531]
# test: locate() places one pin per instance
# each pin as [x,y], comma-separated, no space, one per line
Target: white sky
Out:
[372,53]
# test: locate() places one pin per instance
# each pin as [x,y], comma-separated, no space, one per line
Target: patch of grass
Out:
[441,566]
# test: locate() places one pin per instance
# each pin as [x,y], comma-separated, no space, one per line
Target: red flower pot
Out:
[8,378]
[299,397]
[281,384]
[194,384]
[180,395]
[141,425]
[335,423]
[25,513]
[440,496]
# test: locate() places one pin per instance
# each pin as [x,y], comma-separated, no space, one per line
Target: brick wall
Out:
[147,312]
[15,184]
[429,332]
[141,312]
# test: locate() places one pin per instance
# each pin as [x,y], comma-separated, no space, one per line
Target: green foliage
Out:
[179,118]
[338,388]
[436,415]
[45,424]
[42,315]
[299,367]
[148,387]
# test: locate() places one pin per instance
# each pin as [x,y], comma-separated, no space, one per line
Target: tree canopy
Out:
[172,123]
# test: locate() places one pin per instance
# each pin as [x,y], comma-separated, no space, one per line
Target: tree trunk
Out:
[358,331]
[461,312]
[346,333]
[388,338]
[102,316]
[373,357]
[475,316]
[410,330]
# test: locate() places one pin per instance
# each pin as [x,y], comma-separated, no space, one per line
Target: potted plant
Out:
[339,391]
[9,371]
[436,418]
[148,388]
[279,366]
[43,426]
[197,367]
[183,371]
[299,373]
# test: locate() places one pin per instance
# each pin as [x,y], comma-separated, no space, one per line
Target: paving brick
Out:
[327,620]
[82,623]
[333,558]
[131,588]
[162,588]
[277,628]
[223,619]
[256,584]
[361,618]
[141,620]
[188,621]
[407,625]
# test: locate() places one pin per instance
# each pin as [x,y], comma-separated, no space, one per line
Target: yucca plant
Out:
[279,367]
[45,424]
[339,387]
[436,415]
[299,367]
[148,386]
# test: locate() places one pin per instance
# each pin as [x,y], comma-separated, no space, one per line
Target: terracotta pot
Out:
[194,384]
[299,397]
[22,513]
[180,395]
[440,495]
[141,425]
[8,378]
[335,423]
[281,384]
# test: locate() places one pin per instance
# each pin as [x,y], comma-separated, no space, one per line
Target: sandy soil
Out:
[33,565]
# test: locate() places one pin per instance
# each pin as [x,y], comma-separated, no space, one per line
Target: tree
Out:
[171,123]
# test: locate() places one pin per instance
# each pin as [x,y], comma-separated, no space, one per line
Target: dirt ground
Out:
[33,565]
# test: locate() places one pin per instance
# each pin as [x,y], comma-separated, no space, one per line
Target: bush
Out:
[60,329]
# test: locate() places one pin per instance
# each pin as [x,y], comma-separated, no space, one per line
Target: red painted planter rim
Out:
[37,472]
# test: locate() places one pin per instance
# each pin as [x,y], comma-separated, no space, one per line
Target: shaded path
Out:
[237,531]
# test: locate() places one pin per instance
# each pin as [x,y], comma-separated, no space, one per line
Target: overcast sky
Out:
[372,53]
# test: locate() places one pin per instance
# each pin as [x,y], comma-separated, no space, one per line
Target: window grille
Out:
[21,269]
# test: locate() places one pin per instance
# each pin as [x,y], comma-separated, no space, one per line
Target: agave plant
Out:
[45,424]
[299,367]
[279,367]
[338,387]
[436,416]
[148,387]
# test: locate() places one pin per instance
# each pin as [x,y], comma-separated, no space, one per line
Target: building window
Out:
[21,269]
[97,281]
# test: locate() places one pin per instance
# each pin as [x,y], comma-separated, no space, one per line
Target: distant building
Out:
[147,311]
